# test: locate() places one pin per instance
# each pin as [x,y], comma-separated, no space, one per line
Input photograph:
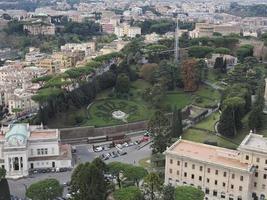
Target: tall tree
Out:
[159,127]
[45,189]
[152,185]
[122,84]
[177,125]
[4,188]
[89,180]
[190,75]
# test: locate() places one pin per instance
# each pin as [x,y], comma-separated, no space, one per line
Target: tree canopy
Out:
[45,189]
[188,193]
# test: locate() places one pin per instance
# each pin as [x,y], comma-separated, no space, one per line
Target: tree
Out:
[222,50]
[255,118]
[159,127]
[89,180]
[168,192]
[190,75]
[177,125]
[44,190]
[134,173]
[154,95]
[188,193]
[128,193]
[122,84]
[244,51]
[4,188]
[147,70]
[199,51]
[152,185]
[230,120]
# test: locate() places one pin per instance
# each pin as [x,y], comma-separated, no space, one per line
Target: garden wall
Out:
[80,134]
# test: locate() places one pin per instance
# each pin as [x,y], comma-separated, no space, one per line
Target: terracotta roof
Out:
[208,153]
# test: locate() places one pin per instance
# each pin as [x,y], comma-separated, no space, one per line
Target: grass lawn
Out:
[202,136]
[209,122]
[206,97]
[100,112]
[178,99]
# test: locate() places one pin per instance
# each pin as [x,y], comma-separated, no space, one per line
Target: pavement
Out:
[84,153]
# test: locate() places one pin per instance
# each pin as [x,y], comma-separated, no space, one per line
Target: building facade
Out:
[24,148]
[221,173]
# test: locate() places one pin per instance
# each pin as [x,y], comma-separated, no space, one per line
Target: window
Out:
[232,186]
[38,151]
[233,176]
[241,178]
[45,151]
[178,163]
[223,195]
[239,198]
[42,151]
[240,188]
[208,170]
[170,170]
[200,178]
[170,161]
[193,166]
[207,191]
[185,174]
[255,184]
[256,174]
[265,161]
[185,164]
[170,179]
[216,172]
[192,176]
[201,168]
[247,157]
[215,193]
[264,176]
[258,160]
[208,180]
[223,184]
[224,174]
[215,182]
[177,172]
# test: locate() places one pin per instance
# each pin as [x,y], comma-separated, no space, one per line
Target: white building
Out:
[24,148]
[221,173]
[88,48]
[127,30]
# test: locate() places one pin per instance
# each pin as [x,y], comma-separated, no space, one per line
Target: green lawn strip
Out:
[209,122]
[202,136]
[178,99]
[145,162]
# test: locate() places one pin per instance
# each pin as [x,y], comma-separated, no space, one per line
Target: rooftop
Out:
[254,142]
[207,153]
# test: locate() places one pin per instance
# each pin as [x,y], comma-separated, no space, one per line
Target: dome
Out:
[17,135]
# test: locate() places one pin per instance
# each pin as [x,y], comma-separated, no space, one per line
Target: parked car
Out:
[119,146]
[98,149]
[106,148]
[125,144]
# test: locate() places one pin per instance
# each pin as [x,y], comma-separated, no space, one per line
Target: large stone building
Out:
[221,173]
[24,148]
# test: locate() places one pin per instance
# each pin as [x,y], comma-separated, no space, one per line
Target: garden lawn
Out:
[208,97]
[178,99]
[209,122]
[100,112]
[202,136]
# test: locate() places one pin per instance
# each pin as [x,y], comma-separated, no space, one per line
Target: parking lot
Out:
[84,153]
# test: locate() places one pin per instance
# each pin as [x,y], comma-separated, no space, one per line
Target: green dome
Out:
[17,134]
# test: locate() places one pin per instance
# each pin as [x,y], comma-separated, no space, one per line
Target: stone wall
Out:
[80,134]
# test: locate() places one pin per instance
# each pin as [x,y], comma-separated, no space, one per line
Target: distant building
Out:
[24,148]
[221,173]
[127,30]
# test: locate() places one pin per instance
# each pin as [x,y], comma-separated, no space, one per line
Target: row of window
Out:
[215,193]
[257,159]
[208,170]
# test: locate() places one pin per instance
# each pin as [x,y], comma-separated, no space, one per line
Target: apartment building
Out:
[127,30]
[221,173]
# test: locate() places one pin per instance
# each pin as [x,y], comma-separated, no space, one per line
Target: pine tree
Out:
[177,126]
